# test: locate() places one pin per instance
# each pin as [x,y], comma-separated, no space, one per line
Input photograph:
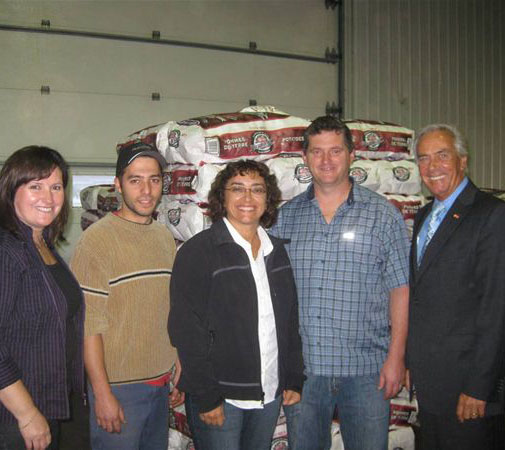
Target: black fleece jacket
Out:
[213,319]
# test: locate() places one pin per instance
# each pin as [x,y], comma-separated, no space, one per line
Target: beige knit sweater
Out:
[124,269]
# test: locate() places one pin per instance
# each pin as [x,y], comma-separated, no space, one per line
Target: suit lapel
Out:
[454,217]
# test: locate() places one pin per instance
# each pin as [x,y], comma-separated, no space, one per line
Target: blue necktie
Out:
[432,227]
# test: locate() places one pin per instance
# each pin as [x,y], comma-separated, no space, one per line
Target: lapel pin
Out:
[456,216]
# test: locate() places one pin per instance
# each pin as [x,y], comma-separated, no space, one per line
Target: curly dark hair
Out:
[24,165]
[216,194]
[327,123]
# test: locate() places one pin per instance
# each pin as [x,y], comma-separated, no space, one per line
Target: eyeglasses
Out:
[240,191]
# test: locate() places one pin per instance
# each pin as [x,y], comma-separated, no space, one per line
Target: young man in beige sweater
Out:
[124,265]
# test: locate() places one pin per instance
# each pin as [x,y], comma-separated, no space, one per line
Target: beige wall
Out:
[101,89]
[411,62]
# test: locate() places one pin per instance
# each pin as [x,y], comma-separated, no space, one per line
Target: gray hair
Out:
[459,141]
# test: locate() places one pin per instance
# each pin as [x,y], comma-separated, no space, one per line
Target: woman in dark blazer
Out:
[41,304]
[234,316]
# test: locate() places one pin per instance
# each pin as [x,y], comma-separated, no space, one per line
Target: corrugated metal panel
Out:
[416,62]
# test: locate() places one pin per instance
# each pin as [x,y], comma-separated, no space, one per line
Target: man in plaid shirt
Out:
[349,251]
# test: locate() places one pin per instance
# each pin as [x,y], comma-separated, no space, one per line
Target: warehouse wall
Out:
[100,90]
[416,62]
[411,62]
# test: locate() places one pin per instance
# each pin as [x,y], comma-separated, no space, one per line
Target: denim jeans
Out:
[243,429]
[146,413]
[362,410]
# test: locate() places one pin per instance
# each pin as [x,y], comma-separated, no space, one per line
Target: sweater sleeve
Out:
[188,324]
[10,279]
[89,270]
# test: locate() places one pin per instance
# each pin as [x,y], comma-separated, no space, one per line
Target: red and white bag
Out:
[293,176]
[89,217]
[184,219]
[408,205]
[364,173]
[203,182]
[102,197]
[398,177]
[380,140]
[258,133]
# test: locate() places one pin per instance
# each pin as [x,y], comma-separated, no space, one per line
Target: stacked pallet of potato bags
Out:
[197,149]
[385,163]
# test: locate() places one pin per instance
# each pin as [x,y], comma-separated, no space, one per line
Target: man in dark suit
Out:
[455,350]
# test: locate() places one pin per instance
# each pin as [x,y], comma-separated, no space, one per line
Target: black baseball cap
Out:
[126,155]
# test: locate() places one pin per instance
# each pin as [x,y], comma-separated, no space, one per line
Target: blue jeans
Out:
[362,410]
[146,413]
[243,429]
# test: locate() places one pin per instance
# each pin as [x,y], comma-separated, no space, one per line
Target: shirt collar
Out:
[266,244]
[351,198]
[449,201]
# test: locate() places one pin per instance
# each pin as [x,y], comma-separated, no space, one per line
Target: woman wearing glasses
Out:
[234,316]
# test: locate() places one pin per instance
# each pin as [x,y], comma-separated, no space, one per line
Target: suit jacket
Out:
[457,304]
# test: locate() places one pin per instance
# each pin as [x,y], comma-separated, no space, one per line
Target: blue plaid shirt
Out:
[344,273]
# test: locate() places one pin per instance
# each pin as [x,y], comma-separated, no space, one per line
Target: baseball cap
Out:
[127,155]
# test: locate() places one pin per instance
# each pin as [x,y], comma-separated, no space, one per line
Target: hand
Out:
[109,413]
[35,431]
[176,398]
[290,397]
[214,417]
[391,376]
[178,372]
[470,408]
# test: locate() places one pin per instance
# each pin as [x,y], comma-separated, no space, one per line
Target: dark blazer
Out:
[33,313]
[457,304]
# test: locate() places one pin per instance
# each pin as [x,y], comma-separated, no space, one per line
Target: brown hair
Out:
[24,165]
[327,123]
[216,195]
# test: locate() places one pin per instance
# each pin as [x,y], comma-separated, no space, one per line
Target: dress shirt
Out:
[448,202]
[344,272]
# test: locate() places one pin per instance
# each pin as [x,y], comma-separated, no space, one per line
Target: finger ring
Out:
[474,415]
